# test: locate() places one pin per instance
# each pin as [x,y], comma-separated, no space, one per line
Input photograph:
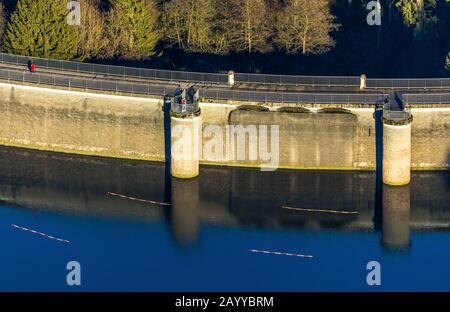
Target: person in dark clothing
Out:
[399,99]
[191,93]
[31,66]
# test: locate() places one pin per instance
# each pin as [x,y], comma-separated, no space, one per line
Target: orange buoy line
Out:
[138,199]
[280,253]
[319,210]
[39,233]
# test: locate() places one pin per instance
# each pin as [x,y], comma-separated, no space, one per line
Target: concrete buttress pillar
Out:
[185,145]
[231,79]
[362,82]
[185,137]
[397,150]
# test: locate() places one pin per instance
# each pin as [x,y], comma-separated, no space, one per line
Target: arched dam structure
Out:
[63,110]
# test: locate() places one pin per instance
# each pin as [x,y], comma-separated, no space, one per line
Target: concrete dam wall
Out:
[310,137]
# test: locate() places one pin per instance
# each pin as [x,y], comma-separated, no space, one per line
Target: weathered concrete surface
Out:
[80,123]
[129,127]
[185,140]
[310,138]
[396,154]
[430,138]
[307,140]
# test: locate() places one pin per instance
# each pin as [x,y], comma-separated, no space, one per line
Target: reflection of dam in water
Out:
[396,216]
[185,210]
[224,196]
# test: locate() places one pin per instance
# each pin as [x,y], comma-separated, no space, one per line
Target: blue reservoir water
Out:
[202,241]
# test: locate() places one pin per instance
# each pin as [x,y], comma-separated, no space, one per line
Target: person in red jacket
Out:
[33,67]
[183,105]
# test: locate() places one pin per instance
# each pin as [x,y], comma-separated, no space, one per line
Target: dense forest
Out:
[272,36]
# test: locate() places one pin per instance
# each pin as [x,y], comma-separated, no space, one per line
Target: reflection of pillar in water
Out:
[185,214]
[396,217]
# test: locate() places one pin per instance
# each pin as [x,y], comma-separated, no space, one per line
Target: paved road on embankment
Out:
[239,92]
[238,86]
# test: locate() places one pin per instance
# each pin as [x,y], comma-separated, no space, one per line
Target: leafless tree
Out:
[92,31]
[249,25]
[304,26]
[193,25]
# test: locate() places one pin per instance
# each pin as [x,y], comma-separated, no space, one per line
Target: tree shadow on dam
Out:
[167,151]
[378,214]
[448,169]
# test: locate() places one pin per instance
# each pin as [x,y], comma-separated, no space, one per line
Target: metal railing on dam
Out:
[392,113]
[433,98]
[121,71]
[285,97]
[222,79]
[418,83]
[211,93]
[292,80]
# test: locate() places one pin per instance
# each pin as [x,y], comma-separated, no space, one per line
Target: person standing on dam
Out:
[183,105]
[31,66]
